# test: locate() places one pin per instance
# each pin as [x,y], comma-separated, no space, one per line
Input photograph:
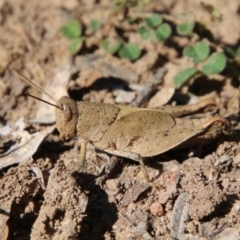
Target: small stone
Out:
[157,209]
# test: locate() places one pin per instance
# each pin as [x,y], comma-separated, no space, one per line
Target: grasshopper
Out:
[130,132]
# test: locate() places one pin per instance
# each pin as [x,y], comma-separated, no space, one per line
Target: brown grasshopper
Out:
[130,132]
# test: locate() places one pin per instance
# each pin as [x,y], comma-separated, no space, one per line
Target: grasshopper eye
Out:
[67,113]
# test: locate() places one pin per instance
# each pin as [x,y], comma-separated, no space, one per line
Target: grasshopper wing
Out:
[149,133]
[137,130]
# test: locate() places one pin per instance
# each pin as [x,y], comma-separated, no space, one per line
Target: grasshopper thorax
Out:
[66,117]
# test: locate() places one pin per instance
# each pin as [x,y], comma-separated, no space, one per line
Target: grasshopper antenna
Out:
[44,101]
[39,88]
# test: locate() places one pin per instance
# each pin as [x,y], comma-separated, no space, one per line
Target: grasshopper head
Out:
[66,117]
[66,111]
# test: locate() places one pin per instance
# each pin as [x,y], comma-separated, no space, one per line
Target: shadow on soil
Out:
[100,213]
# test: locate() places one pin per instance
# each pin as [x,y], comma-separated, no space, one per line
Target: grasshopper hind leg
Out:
[82,155]
[143,168]
[133,156]
[130,155]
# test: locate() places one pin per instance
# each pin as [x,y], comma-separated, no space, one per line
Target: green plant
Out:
[150,27]
[199,52]
[215,14]
[185,29]
[153,28]
[111,48]
[206,57]
[73,31]
[130,51]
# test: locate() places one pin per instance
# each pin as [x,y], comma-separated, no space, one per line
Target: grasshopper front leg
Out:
[82,155]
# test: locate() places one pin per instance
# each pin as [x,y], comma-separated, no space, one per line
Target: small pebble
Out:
[157,209]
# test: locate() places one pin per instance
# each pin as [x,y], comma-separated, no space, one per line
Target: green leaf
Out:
[131,20]
[183,76]
[202,51]
[154,20]
[215,64]
[75,45]
[189,51]
[145,33]
[198,52]
[117,7]
[95,25]
[131,4]
[185,28]
[238,52]
[216,15]
[72,29]
[130,51]
[111,48]
[163,32]
[229,52]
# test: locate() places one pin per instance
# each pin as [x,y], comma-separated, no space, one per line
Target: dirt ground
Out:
[193,193]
